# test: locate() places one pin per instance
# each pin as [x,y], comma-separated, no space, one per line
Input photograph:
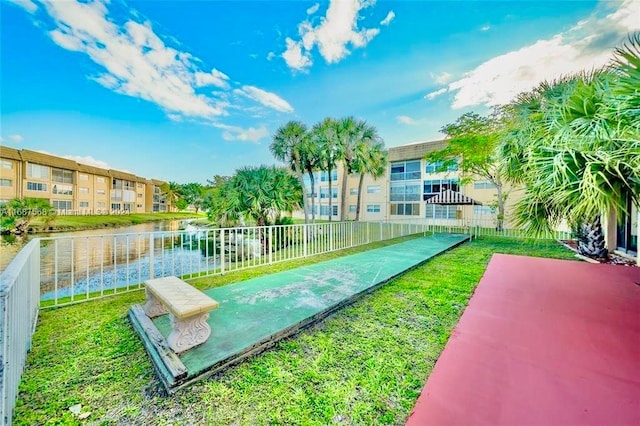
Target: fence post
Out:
[305,239]
[152,250]
[331,236]
[222,253]
[351,233]
[270,245]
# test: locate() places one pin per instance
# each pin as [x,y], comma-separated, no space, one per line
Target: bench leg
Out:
[189,332]
[153,308]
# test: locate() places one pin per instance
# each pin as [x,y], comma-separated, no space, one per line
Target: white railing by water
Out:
[75,269]
[19,302]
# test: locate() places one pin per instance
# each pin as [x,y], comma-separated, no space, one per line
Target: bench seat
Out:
[188,310]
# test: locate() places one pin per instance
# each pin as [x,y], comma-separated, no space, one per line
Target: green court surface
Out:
[256,313]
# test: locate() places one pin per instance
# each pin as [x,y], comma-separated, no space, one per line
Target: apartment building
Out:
[374,197]
[74,188]
[410,180]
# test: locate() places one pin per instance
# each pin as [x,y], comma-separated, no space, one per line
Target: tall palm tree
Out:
[290,143]
[172,192]
[354,138]
[310,164]
[370,157]
[576,145]
[325,135]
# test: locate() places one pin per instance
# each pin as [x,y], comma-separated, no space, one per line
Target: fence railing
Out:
[19,301]
[75,269]
[481,227]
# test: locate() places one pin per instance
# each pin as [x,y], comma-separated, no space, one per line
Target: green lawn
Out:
[364,365]
[72,223]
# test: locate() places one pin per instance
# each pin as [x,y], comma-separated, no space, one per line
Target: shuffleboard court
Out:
[256,313]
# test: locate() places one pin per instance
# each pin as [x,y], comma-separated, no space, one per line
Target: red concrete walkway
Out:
[542,342]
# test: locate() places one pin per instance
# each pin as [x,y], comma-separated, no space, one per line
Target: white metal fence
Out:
[75,269]
[19,301]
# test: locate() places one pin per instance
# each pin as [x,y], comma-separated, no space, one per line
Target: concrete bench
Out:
[188,310]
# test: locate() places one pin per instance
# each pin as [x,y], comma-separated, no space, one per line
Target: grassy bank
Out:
[73,223]
[364,365]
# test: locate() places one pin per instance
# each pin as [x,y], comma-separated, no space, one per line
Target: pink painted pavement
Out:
[542,342]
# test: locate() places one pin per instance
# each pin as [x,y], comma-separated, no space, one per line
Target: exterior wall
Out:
[13,175]
[83,189]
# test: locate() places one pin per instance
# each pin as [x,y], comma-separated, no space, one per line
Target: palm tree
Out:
[172,192]
[257,193]
[354,138]
[575,144]
[326,137]
[290,144]
[310,164]
[370,157]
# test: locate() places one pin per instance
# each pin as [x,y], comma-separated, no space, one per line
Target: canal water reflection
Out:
[82,262]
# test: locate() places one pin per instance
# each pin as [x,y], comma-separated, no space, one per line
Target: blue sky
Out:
[184,90]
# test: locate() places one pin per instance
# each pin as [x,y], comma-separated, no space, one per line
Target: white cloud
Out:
[337,31]
[268,99]
[214,78]
[387,20]
[27,5]
[313,9]
[405,119]
[442,78]
[436,93]
[16,138]
[585,46]
[270,56]
[485,28]
[295,57]
[134,60]
[234,133]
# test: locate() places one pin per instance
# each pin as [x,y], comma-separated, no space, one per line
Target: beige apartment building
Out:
[410,180]
[74,188]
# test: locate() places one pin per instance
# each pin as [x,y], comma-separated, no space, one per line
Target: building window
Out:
[433,187]
[83,177]
[84,204]
[36,186]
[139,206]
[436,211]
[99,179]
[324,176]
[405,191]
[139,195]
[84,190]
[62,175]
[438,167]
[353,191]
[483,210]
[5,182]
[100,192]
[483,184]
[101,204]
[373,208]
[335,210]
[115,206]
[37,171]
[140,185]
[405,209]
[324,193]
[352,208]
[405,170]
[324,210]
[6,164]
[373,189]
[63,189]
[61,204]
